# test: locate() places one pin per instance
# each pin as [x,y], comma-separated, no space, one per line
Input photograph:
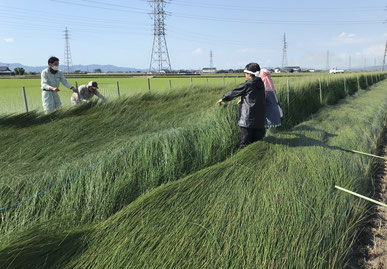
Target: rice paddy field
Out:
[155,180]
[12,98]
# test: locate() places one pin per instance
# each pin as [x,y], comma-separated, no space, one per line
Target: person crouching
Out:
[85,93]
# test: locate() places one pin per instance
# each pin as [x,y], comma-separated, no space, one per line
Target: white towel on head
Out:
[252,73]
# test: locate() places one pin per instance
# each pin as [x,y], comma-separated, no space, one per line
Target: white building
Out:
[209,70]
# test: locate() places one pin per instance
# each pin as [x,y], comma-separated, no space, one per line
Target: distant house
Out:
[209,70]
[4,70]
[277,70]
[292,69]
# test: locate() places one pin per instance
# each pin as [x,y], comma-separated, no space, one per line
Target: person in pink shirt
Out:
[273,113]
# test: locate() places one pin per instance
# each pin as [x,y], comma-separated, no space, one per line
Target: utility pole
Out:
[160,56]
[328,65]
[384,58]
[349,66]
[67,52]
[284,53]
[211,59]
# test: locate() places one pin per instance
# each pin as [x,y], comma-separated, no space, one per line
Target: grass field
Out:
[12,100]
[172,193]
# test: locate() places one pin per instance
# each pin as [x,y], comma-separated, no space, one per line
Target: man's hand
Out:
[74,90]
[239,102]
[55,89]
[219,102]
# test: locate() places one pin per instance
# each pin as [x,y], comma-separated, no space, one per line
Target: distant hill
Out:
[84,68]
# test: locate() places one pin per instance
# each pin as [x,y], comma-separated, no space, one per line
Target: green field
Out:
[155,180]
[12,100]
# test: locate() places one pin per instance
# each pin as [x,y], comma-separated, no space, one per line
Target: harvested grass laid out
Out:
[272,204]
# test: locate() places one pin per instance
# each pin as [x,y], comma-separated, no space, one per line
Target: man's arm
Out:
[99,95]
[231,95]
[66,83]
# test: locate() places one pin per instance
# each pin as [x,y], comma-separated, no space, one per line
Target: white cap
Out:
[93,84]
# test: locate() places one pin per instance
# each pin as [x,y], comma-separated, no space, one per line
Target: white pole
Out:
[361,196]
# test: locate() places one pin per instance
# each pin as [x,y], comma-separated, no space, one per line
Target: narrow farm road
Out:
[370,252]
[377,250]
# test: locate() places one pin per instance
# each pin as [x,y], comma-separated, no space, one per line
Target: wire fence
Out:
[14,100]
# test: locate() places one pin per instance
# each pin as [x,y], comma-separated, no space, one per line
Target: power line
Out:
[349,66]
[211,59]
[104,7]
[384,57]
[279,9]
[231,20]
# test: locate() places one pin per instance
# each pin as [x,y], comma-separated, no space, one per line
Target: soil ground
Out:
[370,252]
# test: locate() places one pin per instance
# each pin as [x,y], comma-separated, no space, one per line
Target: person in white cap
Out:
[85,93]
[50,79]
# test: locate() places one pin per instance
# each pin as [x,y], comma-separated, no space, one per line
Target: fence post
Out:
[170,84]
[25,98]
[366,80]
[345,86]
[223,80]
[288,87]
[358,83]
[149,88]
[118,89]
[207,81]
[235,80]
[76,87]
[191,81]
[321,97]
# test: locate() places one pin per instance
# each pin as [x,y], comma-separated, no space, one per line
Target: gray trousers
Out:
[51,101]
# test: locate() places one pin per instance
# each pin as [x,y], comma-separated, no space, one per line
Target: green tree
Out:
[19,71]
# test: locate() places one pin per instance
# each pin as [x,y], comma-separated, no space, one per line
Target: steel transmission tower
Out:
[284,53]
[384,58]
[67,54]
[160,56]
[350,63]
[211,59]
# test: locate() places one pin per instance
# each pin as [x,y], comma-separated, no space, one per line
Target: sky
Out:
[118,32]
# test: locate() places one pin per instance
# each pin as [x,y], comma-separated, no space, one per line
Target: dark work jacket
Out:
[252,109]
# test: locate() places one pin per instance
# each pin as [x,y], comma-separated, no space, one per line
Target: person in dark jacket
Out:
[252,109]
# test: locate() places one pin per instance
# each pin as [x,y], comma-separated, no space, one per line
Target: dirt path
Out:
[377,252]
[371,250]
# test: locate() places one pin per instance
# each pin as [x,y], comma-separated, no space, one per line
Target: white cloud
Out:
[9,40]
[198,51]
[345,39]
[247,51]
[374,51]
[345,35]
